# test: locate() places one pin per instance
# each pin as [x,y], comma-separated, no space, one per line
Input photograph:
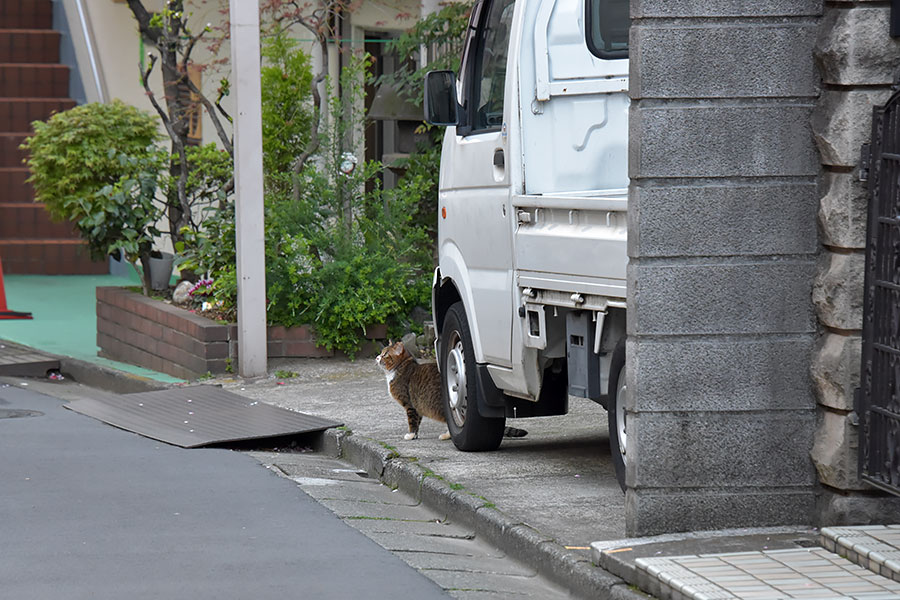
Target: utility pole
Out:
[248,179]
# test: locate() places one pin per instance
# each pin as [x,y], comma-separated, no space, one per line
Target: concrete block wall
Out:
[722,242]
[858,62]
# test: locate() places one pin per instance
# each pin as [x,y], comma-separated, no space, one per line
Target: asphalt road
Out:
[90,511]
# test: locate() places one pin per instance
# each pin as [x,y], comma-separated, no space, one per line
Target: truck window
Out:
[607,28]
[489,72]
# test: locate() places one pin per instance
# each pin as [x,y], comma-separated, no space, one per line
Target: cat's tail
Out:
[514,432]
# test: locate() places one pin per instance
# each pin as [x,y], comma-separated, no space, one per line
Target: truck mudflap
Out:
[493,403]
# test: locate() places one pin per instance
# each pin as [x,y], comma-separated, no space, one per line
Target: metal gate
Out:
[878,401]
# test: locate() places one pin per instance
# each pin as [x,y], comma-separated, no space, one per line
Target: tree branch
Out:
[177,142]
[211,110]
[143,17]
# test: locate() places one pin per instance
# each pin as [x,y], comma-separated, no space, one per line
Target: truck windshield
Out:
[607,28]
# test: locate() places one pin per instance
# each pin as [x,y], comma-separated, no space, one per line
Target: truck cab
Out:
[529,293]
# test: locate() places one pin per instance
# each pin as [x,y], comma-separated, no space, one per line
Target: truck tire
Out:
[470,431]
[615,410]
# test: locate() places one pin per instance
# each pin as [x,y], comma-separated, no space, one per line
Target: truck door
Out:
[475,231]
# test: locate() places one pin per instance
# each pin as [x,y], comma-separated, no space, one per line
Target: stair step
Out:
[10,154]
[26,14]
[13,188]
[34,81]
[17,114]
[29,46]
[31,220]
[49,257]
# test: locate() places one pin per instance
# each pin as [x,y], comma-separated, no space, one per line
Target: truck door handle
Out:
[499,159]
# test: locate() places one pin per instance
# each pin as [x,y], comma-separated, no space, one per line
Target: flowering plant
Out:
[201,293]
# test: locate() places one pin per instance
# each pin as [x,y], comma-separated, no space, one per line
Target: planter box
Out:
[137,330]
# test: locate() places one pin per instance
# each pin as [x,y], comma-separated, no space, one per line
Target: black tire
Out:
[470,431]
[615,410]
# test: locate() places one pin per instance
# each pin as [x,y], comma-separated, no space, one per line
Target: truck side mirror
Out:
[441,104]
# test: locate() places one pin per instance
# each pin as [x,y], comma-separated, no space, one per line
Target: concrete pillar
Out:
[722,243]
[248,179]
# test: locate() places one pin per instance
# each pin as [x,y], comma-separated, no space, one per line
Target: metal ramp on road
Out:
[197,416]
[21,361]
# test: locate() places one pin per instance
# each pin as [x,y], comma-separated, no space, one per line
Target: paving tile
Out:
[789,573]
[815,593]
[714,596]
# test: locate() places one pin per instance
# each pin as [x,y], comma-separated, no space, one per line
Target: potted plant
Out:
[98,167]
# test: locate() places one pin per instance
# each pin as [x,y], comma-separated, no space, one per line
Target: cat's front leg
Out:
[444,436]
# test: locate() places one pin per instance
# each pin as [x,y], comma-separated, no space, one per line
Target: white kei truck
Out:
[528,298]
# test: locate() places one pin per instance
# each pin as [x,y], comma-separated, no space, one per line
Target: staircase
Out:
[33,86]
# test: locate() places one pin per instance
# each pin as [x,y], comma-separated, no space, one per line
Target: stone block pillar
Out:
[722,243]
[858,62]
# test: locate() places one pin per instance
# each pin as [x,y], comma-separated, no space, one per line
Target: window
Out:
[193,113]
[607,28]
[489,69]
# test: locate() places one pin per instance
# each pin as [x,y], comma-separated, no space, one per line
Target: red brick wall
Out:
[149,333]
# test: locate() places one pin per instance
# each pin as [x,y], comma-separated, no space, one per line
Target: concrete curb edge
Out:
[106,378]
[564,567]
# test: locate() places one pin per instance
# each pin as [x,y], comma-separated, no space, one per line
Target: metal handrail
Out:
[89,41]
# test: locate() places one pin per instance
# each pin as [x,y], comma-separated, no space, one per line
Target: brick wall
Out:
[137,330]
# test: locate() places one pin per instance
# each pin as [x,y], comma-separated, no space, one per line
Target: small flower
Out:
[202,288]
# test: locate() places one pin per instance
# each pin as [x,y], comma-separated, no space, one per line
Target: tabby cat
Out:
[417,388]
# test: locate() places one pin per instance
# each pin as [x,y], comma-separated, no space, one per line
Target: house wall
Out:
[858,62]
[722,244]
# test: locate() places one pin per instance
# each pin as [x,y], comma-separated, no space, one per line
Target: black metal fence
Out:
[878,401]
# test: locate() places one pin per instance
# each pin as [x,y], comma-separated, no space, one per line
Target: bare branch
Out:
[211,110]
[190,48]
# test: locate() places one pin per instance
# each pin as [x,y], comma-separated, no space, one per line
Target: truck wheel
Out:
[615,409]
[470,431]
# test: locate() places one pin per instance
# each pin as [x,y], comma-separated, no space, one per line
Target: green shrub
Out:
[96,166]
[70,158]
[341,254]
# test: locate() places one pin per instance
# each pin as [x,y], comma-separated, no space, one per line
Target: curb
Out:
[520,541]
[106,378]
[97,376]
